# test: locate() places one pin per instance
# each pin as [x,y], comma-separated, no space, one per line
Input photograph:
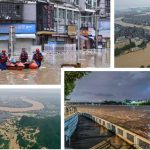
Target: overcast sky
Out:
[29,92]
[99,86]
[123,4]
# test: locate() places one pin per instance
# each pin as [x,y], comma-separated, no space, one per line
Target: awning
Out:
[18,36]
[4,38]
[83,37]
[25,36]
[45,33]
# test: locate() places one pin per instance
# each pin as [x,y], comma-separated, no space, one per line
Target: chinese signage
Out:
[45,17]
[20,28]
[72,30]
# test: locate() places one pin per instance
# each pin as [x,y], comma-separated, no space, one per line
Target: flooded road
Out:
[50,71]
[88,134]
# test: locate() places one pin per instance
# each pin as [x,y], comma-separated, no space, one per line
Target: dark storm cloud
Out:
[99,86]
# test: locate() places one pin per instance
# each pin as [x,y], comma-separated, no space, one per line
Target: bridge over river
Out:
[84,131]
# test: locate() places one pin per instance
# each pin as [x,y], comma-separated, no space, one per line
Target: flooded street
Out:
[50,71]
[88,134]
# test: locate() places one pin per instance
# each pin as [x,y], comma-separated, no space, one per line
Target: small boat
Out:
[19,66]
[33,65]
[11,66]
[15,66]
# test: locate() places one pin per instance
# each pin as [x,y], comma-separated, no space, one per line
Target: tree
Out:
[70,78]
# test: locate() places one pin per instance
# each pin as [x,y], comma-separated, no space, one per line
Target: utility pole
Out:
[96,31]
[11,40]
[96,26]
[79,24]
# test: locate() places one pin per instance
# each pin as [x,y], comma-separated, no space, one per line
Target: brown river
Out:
[35,106]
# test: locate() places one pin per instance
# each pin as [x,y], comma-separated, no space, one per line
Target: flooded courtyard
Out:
[50,71]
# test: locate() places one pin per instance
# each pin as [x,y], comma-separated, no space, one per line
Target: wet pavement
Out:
[88,134]
[50,71]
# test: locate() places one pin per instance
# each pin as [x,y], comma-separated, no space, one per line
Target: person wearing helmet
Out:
[38,57]
[23,56]
[3,60]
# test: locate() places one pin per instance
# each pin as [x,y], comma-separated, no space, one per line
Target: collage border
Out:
[61,86]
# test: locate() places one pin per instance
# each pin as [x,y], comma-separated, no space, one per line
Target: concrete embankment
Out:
[128,136]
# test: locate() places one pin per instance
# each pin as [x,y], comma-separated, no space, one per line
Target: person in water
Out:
[38,57]
[23,56]
[3,60]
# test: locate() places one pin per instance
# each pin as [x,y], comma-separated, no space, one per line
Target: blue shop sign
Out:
[20,28]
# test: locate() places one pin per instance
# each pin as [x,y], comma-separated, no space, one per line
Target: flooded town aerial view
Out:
[29,118]
[117,102]
[132,34]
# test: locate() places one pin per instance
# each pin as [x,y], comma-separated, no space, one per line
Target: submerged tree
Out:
[70,78]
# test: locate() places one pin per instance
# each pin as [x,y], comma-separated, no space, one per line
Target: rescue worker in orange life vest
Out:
[23,56]
[3,60]
[38,57]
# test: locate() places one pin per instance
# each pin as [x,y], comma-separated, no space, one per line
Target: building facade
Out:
[56,22]
[19,16]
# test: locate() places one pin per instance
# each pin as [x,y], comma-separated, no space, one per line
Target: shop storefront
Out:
[25,36]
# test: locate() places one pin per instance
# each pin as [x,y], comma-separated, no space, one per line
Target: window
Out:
[69,14]
[62,13]
[76,15]
[88,4]
[55,13]
[77,2]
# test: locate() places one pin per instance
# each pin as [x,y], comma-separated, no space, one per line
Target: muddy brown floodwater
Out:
[133,118]
[50,71]
[134,59]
